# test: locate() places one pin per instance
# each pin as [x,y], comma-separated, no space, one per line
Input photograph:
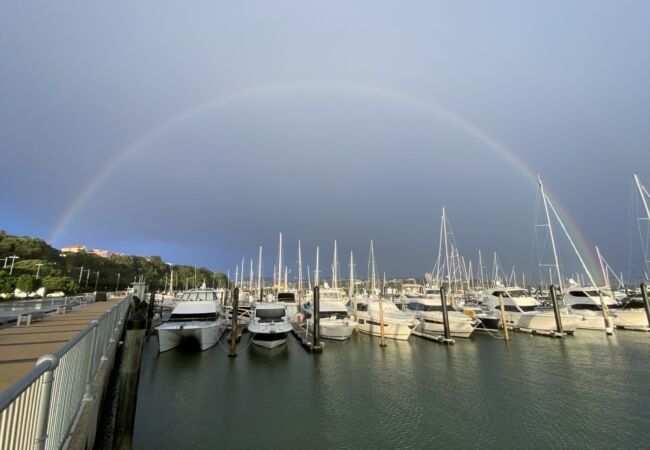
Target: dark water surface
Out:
[587,391]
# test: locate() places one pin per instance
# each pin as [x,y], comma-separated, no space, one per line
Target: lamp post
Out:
[13,258]
[87,277]
[38,269]
[81,272]
[96,279]
[117,286]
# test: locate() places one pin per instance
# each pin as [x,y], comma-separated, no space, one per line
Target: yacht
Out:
[428,311]
[397,324]
[522,311]
[197,315]
[586,303]
[631,314]
[269,324]
[335,321]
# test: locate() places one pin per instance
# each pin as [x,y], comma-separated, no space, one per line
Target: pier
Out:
[54,373]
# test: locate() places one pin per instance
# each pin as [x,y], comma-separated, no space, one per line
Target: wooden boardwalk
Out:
[20,347]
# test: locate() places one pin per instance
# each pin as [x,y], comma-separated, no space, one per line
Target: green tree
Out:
[61,283]
[27,283]
[7,283]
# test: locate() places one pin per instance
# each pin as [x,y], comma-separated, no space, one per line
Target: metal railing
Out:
[38,411]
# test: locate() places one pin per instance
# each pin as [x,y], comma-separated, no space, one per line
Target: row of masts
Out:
[451,269]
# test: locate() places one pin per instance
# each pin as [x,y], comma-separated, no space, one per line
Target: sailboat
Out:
[370,309]
[335,319]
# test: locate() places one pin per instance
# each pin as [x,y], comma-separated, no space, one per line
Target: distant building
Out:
[74,249]
[105,253]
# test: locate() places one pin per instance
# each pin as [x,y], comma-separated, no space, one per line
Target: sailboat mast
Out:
[317,263]
[642,193]
[582,262]
[351,287]
[299,269]
[280,263]
[373,284]
[259,271]
[550,232]
[335,284]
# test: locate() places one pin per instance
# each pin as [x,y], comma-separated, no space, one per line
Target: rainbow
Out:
[463,123]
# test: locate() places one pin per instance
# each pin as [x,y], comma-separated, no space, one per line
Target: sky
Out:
[199,131]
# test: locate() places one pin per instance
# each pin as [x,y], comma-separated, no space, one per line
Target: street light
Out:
[81,272]
[13,258]
[171,278]
[117,286]
[87,277]
[38,269]
[96,279]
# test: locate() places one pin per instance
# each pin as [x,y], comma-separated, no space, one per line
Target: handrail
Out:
[40,408]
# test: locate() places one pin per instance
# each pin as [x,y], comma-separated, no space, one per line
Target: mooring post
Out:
[503,318]
[646,305]
[382,341]
[445,314]
[609,322]
[233,321]
[129,375]
[556,311]
[316,318]
[150,310]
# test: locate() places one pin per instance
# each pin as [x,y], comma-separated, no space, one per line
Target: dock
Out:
[304,337]
[432,336]
[21,346]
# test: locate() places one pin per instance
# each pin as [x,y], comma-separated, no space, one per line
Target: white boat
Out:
[269,324]
[397,324]
[586,303]
[428,311]
[335,321]
[521,311]
[197,316]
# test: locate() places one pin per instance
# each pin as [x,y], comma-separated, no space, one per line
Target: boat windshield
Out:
[423,307]
[270,315]
[333,315]
[198,296]
[517,293]
[585,293]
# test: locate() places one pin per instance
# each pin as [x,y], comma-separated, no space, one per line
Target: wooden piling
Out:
[556,311]
[646,305]
[129,374]
[316,318]
[233,328]
[506,336]
[445,314]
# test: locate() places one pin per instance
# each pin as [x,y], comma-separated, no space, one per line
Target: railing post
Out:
[44,403]
[91,365]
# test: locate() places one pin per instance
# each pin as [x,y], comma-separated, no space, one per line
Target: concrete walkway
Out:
[20,347]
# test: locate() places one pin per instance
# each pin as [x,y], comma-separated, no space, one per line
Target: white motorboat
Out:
[269,324]
[335,321]
[586,304]
[428,311]
[522,311]
[397,324]
[197,316]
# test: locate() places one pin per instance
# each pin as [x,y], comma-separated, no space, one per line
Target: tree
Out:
[7,283]
[61,283]
[27,283]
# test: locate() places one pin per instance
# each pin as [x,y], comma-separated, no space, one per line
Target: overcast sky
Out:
[324,132]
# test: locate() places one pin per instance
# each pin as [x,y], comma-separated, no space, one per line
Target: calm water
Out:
[588,391]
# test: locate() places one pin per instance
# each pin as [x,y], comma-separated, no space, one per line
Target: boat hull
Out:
[457,328]
[338,330]
[541,322]
[270,340]
[170,335]
[400,332]
[631,319]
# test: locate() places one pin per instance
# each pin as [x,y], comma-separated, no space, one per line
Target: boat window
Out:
[497,293]
[415,306]
[584,307]
[528,308]
[578,293]
[286,297]
[270,315]
[361,321]
[362,307]
[511,308]
[336,314]
[192,316]
[518,293]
